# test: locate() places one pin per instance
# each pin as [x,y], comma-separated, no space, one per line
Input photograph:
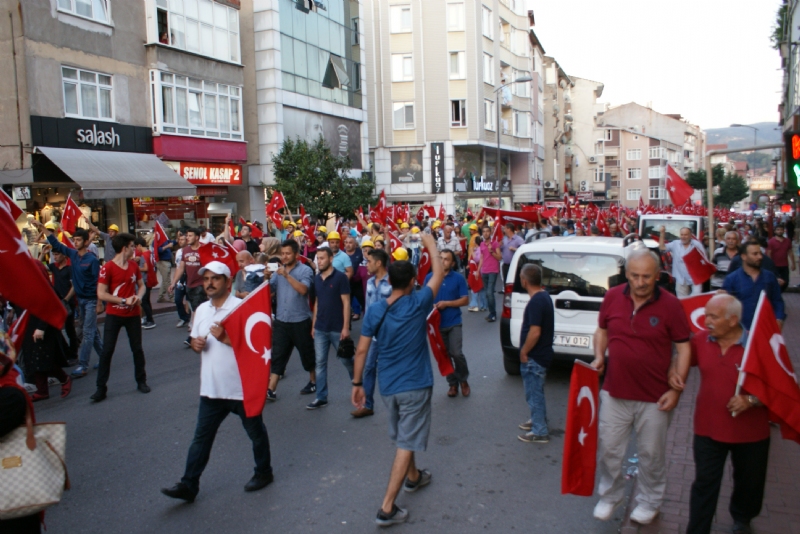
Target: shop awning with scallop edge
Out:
[106,174]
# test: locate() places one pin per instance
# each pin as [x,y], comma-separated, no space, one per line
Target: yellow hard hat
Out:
[113,227]
[480,221]
[322,229]
[297,233]
[334,235]
[400,254]
[285,223]
[369,225]
[437,224]
[50,225]
[404,225]
[292,223]
[367,243]
[415,230]
[491,223]
[399,221]
[379,238]
[473,226]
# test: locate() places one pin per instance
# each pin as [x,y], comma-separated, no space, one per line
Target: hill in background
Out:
[741,137]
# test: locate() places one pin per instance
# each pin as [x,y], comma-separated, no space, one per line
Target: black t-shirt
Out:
[250,246]
[62,279]
[539,312]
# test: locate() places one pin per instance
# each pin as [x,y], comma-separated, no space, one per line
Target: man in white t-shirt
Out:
[220,388]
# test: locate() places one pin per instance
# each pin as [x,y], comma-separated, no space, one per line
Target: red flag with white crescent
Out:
[431,211]
[580,437]
[394,242]
[424,266]
[70,215]
[699,266]
[249,328]
[159,238]
[678,189]
[437,344]
[65,240]
[305,221]
[695,308]
[216,252]
[381,207]
[442,212]
[9,206]
[421,213]
[474,280]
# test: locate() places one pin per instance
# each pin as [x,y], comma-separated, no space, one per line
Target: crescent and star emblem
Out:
[695,317]
[775,342]
[252,321]
[585,393]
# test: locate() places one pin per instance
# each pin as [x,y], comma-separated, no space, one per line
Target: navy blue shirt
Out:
[165,251]
[330,308]
[85,269]
[739,284]
[454,287]
[539,312]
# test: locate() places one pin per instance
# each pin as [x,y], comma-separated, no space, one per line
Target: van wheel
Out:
[511,364]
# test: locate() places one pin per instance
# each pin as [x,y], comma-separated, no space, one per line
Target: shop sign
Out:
[584,195]
[437,167]
[407,167]
[479,184]
[85,134]
[208,173]
[93,136]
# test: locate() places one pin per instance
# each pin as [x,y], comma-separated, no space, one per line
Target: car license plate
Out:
[571,341]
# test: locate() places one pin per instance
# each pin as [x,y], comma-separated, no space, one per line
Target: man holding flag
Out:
[684,285]
[221,391]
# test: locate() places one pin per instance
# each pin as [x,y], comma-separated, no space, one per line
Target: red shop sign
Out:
[211,173]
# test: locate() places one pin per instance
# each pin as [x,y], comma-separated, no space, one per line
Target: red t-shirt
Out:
[779,251]
[191,258]
[121,283]
[718,376]
[640,344]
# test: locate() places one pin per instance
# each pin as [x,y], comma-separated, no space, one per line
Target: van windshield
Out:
[652,228]
[588,275]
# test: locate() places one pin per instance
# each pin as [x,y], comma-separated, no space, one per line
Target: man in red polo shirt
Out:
[638,324]
[724,422]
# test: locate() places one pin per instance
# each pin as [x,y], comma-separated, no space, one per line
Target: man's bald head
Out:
[723,313]
[244,258]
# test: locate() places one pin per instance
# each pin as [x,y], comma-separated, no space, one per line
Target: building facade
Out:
[558,129]
[587,140]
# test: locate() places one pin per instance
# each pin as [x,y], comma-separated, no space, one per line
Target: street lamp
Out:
[521,79]
[755,140]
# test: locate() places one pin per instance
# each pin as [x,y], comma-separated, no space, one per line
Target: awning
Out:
[106,174]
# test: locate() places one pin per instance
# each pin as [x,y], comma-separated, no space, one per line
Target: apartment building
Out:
[586,138]
[558,128]
[534,190]
[436,73]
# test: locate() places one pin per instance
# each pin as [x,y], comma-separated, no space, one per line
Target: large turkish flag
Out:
[580,437]
[699,266]
[437,344]
[224,253]
[678,189]
[424,266]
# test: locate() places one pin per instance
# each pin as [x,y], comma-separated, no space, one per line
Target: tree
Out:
[310,174]
[779,30]
[697,179]
[732,189]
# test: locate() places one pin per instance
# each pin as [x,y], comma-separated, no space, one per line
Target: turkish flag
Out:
[442,212]
[767,371]
[305,221]
[276,203]
[65,240]
[699,266]
[474,280]
[505,216]
[374,216]
[232,228]
[224,253]
[29,287]
[392,225]
[424,266]
[9,206]
[18,328]
[249,327]
[255,233]
[431,211]
[311,233]
[549,213]
[695,308]
[497,232]
[580,436]
[421,213]
[70,216]
[601,224]
[679,190]
[381,207]
[437,344]
[394,242]
[159,238]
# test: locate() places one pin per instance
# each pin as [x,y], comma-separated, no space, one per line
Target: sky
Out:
[709,60]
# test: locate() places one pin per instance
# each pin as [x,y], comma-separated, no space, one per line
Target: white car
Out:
[576,272]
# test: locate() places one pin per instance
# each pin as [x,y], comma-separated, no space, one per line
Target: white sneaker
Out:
[180,324]
[604,509]
[643,515]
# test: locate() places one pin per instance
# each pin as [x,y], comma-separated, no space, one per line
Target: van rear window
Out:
[588,275]
[652,228]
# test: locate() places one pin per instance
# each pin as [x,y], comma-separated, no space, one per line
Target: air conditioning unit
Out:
[594,159]
[549,185]
[585,186]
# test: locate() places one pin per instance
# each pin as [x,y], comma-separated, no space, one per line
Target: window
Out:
[488,69]
[455,17]
[87,94]
[522,121]
[608,135]
[189,106]
[354,38]
[657,193]
[656,152]
[588,275]
[655,172]
[90,9]
[634,154]
[458,113]
[521,89]
[488,114]
[401,18]
[199,26]
[599,176]
[403,115]
[488,26]
[634,174]
[634,194]
[402,68]
[458,70]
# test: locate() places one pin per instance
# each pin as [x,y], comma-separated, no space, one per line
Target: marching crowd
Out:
[322,281]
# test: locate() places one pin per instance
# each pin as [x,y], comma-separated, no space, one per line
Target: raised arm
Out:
[436,264]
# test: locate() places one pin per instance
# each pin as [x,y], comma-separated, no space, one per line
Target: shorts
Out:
[287,336]
[409,418]
[196,296]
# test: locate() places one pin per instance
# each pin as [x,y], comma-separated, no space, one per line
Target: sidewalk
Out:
[781,511]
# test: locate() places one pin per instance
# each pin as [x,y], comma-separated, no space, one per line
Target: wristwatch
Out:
[358,384]
[752,400]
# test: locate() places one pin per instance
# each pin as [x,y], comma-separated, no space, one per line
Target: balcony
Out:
[612,163]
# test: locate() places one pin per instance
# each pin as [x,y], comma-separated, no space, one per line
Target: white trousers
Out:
[684,290]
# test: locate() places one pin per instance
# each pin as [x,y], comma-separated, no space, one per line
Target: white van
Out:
[576,272]
[650,225]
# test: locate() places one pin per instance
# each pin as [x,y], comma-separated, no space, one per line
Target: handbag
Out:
[347,349]
[33,473]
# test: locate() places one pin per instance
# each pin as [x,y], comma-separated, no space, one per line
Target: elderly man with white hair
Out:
[725,422]
[684,286]
[638,325]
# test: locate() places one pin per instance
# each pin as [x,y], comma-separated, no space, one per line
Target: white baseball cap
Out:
[216,267]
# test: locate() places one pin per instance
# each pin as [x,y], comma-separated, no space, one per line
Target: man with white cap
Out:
[220,388]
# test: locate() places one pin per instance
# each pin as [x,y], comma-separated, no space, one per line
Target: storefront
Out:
[474,182]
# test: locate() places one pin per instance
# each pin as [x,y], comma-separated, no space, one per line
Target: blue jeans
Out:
[209,416]
[370,375]
[477,300]
[91,336]
[533,376]
[180,294]
[489,283]
[323,341]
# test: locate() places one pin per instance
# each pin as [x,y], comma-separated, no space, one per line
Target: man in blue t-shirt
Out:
[536,352]
[452,296]
[399,325]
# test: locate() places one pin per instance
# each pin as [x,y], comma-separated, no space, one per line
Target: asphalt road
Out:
[330,469]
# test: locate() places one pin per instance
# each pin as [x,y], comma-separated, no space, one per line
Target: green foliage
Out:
[760,161]
[732,189]
[697,179]
[778,30]
[315,177]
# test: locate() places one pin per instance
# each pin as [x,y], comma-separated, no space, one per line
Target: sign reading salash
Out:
[95,137]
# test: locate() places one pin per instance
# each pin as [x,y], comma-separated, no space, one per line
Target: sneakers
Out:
[397,516]
[180,324]
[603,510]
[530,437]
[180,491]
[317,403]
[310,388]
[188,341]
[149,325]
[79,372]
[643,515]
[271,395]
[423,480]
[473,309]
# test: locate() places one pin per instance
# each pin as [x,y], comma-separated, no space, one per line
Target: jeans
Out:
[749,476]
[147,307]
[180,294]
[533,376]
[370,375]
[210,415]
[452,338]
[111,328]
[477,300]
[489,283]
[91,336]
[323,341]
